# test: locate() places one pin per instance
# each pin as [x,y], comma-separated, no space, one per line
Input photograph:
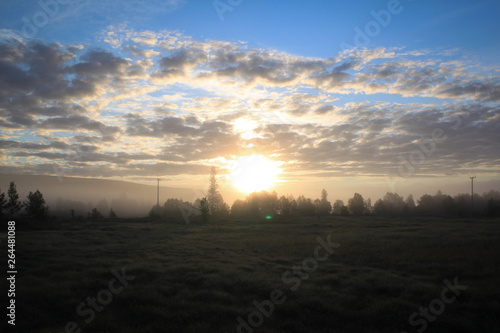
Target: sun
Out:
[253,173]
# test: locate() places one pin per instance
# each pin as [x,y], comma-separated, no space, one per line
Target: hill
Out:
[130,199]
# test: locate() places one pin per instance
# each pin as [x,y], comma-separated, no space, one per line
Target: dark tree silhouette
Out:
[3,203]
[35,206]
[356,204]
[410,204]
[239,208]
[305,206]
[216,204]
[284,206]
[324,206]
[112,214]
[13,205]
[391,204]
[95,214]
[337,207]
[205,210]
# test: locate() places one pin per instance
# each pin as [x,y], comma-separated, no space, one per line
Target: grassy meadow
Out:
[201,277]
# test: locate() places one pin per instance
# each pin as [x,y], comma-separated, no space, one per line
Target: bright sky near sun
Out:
[296,96]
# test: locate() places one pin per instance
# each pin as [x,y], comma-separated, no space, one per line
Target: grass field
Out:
[201,278]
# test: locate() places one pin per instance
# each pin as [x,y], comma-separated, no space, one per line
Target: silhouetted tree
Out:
[425,204]
[462,204]
[205,210]
[35,206]
[305,206]
[380,208]
[112,214]
[284,206]
[3,203]
[13,205]
[391,204]
[262,203]
[239,208]
[493,207]
[448,205]
[410,204]
[154,212]
[368,206]
[324,206]
[216,204]
[337,207]
[95,214]
[356,204]
[438,204]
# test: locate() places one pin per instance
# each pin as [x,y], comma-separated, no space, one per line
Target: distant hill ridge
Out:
[92,190]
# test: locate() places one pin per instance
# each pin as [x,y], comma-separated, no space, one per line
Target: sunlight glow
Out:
[253,173]
[245,127]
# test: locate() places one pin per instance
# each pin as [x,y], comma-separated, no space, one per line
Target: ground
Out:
[201,277]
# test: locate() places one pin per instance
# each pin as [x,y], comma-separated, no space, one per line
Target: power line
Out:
[472,194]
[158,193]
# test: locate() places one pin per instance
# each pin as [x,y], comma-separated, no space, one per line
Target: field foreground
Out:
[139,275]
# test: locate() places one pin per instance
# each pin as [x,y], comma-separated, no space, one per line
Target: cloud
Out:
[162,103]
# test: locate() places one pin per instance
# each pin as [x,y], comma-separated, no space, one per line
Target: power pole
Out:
[158,193]
[472,194]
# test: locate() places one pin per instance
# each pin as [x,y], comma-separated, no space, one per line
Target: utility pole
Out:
[472,194]
[158,193]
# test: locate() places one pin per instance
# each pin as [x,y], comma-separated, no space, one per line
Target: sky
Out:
[366,96]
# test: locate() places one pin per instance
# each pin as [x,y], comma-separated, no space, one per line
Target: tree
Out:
[3,203]
[95,214]
[368,206]
[410,204]
[35,206]
[205,210]
[239,208]
[337,207]
[380,208]
[216,204]
[305,206]
[284,206]
[324,207]
[112,214]
[356,204]
[425,204]
[391,204]
[13,205]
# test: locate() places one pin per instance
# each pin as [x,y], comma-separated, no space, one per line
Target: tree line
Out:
[392,204]
[262,204]
[34,205]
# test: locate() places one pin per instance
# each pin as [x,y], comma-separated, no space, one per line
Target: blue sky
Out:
[309,28]
[140,84]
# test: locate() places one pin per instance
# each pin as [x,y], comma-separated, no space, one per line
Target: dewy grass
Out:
[193,278]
